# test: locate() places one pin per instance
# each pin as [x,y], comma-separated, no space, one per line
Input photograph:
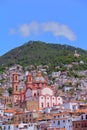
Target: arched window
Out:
[42,104]
[16,88]
[34,94]
[48,104]
[38,94]
[16,77]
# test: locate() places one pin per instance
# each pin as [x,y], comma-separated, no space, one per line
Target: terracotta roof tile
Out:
[9,110]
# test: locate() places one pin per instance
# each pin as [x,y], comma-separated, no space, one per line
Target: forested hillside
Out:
[37,52]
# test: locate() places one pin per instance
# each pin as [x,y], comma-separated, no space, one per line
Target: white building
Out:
[30,126]
[21,126]
[9,127]
[56,74]
[61,121]
[70,105]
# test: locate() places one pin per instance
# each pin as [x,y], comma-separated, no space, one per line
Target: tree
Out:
[10,90]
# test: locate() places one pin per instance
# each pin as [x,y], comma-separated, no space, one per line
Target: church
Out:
[35,94]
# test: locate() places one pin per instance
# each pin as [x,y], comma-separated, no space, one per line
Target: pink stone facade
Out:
[35,89]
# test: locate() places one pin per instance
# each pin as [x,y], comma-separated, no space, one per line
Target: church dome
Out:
[39,77]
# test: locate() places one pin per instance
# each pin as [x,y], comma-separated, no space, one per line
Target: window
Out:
[4,127]
[30,115]
[76,126]
[86,124]
[42,104]
[47,104]
[86,116]
[82,117]
[16,77]
[53,122]
[16,88]
[58,122]
[9,127]
[25,126]
[79,124]
[34,94]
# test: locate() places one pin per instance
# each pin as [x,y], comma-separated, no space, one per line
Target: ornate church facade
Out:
[34,93]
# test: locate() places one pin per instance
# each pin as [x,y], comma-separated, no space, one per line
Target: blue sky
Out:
[53,21]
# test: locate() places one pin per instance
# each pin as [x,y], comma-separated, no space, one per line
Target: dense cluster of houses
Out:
[33,100]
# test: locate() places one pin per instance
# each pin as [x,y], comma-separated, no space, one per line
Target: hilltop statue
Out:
[76,54]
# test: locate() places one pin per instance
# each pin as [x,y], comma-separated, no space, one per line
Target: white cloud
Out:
[55,28]
[24,30]
[59,30]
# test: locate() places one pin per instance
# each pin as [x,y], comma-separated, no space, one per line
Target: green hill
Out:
[37,52]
